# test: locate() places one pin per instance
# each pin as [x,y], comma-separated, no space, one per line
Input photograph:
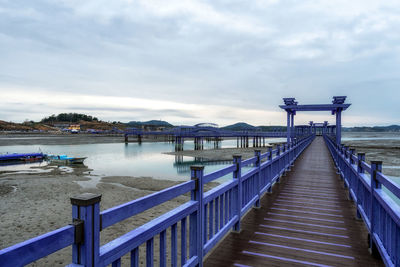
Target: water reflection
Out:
[119,159]
[182,164]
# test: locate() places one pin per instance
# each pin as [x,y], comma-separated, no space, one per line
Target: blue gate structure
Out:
[208,217]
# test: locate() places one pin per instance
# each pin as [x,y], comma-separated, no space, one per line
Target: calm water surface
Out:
[118,159]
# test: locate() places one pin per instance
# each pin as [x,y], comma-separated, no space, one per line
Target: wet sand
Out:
[219,154]
[35,204]
[382,148]
[68,139]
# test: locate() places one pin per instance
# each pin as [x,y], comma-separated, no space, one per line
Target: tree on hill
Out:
[68,117]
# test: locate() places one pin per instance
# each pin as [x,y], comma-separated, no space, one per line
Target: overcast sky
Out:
[191,61]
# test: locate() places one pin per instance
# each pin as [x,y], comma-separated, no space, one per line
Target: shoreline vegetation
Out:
[33,204]
[58,123]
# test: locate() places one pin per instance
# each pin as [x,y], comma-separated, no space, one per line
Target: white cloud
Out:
[240,56]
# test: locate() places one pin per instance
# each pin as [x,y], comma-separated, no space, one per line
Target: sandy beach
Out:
[35,204]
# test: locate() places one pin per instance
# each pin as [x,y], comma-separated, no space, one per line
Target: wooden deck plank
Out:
[307,220]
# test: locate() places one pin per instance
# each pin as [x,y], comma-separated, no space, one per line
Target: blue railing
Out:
[203,220]
[376,206]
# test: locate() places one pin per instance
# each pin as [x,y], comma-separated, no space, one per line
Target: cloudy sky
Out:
[197,61]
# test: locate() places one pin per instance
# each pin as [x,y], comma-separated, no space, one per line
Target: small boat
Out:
[22,157]
[64,159]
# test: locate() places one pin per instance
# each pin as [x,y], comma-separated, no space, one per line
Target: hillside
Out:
[391,128]
[157,123]
[240,126]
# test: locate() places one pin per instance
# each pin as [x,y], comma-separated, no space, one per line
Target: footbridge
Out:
[201,133]
[309,202]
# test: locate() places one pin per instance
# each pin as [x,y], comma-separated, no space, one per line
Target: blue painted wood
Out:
[163,249]
[205,223]
[217,237]
[249,161]
[150,252]
[378,210]
[174,245]
[75,247]
[237,176]
[393,187]
[129,209]
[221,211]
[218,174]
[116,263]
[135,257]
[249,174]
[38,247]
[197,173]
[127,242]
[218,210]
[183,241]
[226,213]
[219,190]
[216,214]
[211,219]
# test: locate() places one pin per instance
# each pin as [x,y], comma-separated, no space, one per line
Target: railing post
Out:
[269,190]
[360,170]
[345,167]
[86,210]
[237,174]
[285,158]
[351,173]
[196,224]
[376,166]
[352,151]
[291,154]
[257,153]
[278,154]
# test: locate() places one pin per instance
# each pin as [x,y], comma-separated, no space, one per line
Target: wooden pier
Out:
[311,201]
[308,220]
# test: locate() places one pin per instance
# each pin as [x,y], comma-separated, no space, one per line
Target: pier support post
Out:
[292,126]
[196,219]
[288,135]
[86,211]
[338,126]
[376,166]
[237,174]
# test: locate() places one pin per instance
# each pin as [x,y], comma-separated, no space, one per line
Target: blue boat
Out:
[22,157]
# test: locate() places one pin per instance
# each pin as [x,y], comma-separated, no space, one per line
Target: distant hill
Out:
[158,123]
[68,117]
[391,128]
[272,128]
[240,126]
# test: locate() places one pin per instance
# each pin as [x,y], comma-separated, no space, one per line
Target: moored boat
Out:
[22,157]
[64,159]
